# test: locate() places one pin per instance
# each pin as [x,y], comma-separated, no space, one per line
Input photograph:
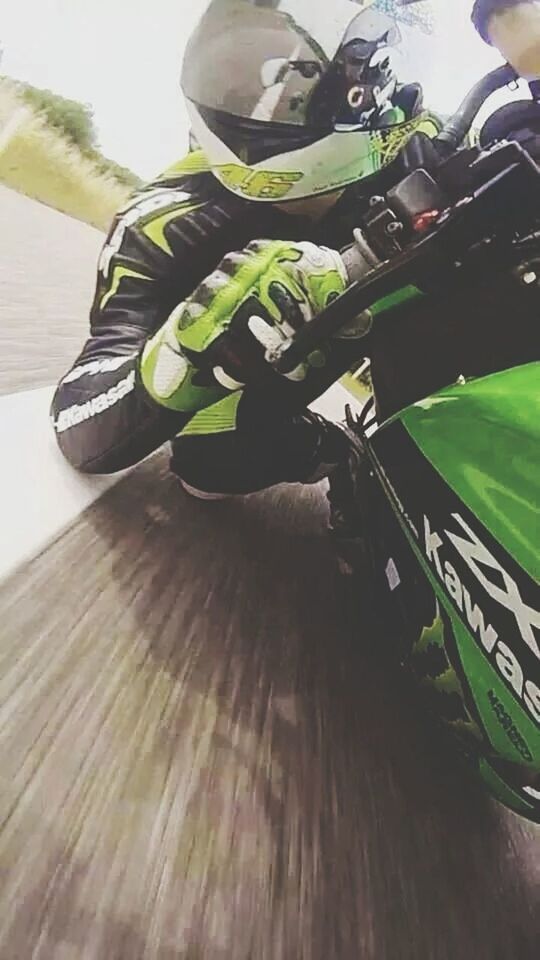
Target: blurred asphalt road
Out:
[203,755]
[47,275]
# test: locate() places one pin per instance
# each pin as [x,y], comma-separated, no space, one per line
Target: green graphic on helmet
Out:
[290,98]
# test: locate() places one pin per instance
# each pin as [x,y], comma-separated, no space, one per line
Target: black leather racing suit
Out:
[160,247]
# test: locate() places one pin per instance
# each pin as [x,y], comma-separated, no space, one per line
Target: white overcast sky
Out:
[123,57]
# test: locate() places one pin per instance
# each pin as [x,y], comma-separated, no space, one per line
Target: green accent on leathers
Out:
[219,418]
[118,274]
[154,229]
[193,163]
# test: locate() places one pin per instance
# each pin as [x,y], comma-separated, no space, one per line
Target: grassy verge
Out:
[38,162]
[358,389]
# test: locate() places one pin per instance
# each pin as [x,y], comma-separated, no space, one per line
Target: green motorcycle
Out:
[440,504]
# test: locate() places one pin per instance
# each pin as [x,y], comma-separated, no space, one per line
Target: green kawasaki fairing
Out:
[462,471]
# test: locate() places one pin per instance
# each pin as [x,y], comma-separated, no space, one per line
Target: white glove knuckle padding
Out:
[315,257]
[217,281]
[233,261]
[258,246]
[189,312]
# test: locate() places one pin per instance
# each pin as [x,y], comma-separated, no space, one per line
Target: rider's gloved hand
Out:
[218,338]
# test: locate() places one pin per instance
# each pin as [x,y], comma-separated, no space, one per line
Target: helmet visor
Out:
[289,61]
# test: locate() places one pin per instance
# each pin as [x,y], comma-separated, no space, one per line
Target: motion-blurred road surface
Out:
[203,754]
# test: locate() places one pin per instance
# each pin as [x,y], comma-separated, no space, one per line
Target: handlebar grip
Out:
[457,128]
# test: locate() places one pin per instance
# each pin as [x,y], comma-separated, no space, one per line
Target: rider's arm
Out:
[116,405]
[159,248]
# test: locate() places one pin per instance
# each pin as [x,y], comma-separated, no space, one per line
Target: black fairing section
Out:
[476,328]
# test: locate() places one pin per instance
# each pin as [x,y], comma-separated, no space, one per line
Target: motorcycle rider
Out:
[299,115]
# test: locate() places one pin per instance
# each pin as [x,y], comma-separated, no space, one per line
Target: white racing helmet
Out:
[294,98]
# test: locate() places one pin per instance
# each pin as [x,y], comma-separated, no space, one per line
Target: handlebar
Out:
[457,128]
[394,273]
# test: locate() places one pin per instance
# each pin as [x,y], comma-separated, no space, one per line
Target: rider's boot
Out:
[303,449]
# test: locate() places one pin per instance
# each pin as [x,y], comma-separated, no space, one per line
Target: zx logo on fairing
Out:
[474,553]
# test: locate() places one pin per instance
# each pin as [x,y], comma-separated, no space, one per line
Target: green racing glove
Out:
[218,340]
